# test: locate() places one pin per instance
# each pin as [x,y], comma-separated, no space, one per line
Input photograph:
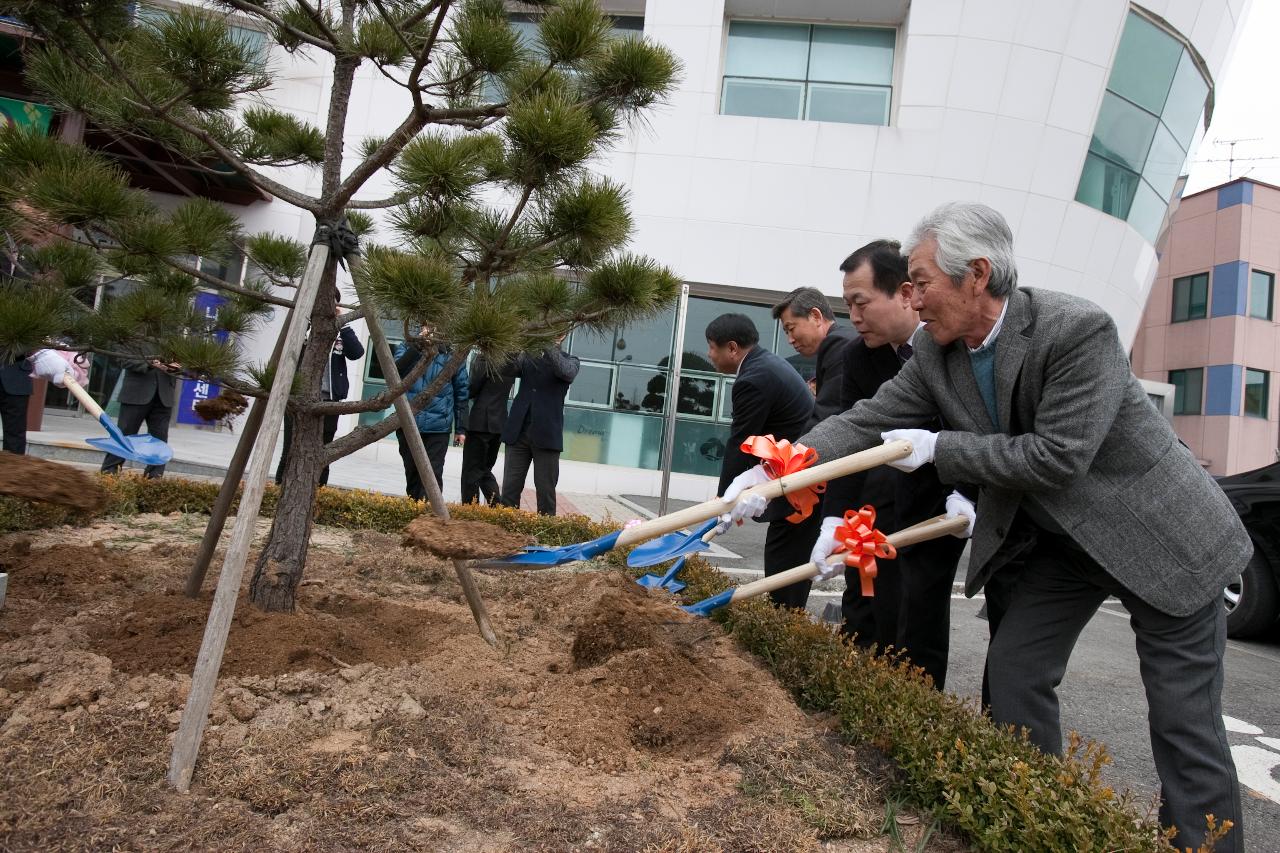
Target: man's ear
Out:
[981,269]
[906,291]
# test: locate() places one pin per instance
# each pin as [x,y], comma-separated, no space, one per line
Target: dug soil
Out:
[375,717]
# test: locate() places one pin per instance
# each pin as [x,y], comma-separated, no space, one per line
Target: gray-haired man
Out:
[1085,492]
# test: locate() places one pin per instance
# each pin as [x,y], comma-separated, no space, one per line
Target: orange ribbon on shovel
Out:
[780,458]
[859,537]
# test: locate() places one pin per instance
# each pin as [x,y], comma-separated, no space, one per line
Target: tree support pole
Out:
[419,452]
[235,470]
[195,715]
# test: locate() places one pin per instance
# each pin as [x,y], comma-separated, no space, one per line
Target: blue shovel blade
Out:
[707,605]
[541,555]
[670,546]
[140,448]
[667,581]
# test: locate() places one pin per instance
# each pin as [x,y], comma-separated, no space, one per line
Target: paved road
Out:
[1102,693]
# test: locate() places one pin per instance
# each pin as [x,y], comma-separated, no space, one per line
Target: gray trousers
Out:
[1041,611]
[546,473]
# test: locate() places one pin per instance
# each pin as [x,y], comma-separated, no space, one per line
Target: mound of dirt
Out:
[375,717]
[41,480]
[454,538]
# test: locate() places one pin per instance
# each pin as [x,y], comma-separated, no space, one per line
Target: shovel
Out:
[667,581]
[146,449]
[673,545]
[931,529]
[537,557]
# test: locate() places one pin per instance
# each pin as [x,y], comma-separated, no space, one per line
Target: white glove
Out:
[922,445]
[958,504]
[824,548]
[53,365]
[746,506]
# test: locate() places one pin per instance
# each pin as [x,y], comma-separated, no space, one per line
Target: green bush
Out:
[990,785]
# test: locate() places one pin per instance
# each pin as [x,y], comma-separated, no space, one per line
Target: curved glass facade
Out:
[1154,97]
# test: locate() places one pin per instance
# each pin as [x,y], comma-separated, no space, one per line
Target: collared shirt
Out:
[995,330]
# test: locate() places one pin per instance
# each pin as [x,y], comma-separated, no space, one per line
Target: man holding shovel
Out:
[1085,492]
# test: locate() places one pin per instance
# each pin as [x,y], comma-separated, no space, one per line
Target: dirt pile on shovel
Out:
[41,480]
[453,538]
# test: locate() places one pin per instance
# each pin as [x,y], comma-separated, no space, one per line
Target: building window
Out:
[1262,288]
[1191,297]
[1188,390]
[1154,97]
[803,71]
[526,25]
[1256,385]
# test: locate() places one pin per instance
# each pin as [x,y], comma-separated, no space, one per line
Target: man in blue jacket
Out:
[445,413]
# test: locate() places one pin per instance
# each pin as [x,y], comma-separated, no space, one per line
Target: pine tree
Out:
[497,233]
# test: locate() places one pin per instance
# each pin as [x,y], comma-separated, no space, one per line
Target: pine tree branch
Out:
[363,436]
[395,28]
[319,21]
[379,203]
[266,14]
[377,402]
[264,183]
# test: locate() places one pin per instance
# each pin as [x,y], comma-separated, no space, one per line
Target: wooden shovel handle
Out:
[90,405]
[888,452]
[932,528]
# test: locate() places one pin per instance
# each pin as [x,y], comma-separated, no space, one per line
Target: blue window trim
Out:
[1240,192]
[1229,289]
[1224,389]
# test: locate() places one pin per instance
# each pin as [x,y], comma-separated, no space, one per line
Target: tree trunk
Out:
[278,571]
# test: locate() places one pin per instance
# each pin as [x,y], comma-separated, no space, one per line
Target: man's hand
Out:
[460,439]
[958,504]
[54,365]
[824,548]
[746,506]
[922,445]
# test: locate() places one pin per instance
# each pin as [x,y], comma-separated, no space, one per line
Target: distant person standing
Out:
[335,386]
[488,393]
[15,393]
[146,396]
[534,432]
[769,398]
[444,413]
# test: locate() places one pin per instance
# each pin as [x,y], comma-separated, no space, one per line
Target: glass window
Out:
[697,396]
[593,386]
[1145,64]
[1188,390]
[648,342]
[597,346]
[1190,297]
[699,447]
[1154,96]
[701,312]
[526,26]
[641,389]
[726,401]
[820,73]
[1262,288]
[612,438]
[1256,384]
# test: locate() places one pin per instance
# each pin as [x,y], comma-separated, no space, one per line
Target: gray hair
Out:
[801,301]
[966,231]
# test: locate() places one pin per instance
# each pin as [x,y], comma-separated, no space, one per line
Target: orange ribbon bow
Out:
[859,537]
[780,458]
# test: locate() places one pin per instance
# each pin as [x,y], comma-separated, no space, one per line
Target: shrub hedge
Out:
[988,784]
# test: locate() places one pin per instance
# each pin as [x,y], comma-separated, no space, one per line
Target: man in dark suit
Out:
[15,393]
[1085,492]
[911,608]
[810,326]
[488,398]
[145,396]
[534,432]
[769,398]
[334,386]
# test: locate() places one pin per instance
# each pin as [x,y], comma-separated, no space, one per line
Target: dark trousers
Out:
[478,457]
[911,608]
[437,444]
[786,546]
[1038,615]
[13,419]
[132,416]
[546,473]
[330,429]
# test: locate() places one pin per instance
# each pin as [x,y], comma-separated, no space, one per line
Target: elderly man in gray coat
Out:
[1084,492]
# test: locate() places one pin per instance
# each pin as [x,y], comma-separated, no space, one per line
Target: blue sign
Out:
[207,304]
[195,390]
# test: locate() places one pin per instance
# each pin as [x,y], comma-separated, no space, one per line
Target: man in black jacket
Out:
[15,393]
[534,432]
[488,395]
[911,608]
[146,395]
[810,326]
[769,398]
[334,386]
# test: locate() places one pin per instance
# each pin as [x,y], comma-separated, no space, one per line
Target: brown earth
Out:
[41,480]
[376,718]
[455,538]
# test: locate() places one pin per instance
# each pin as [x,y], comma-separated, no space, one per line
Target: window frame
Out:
[1191,281]
[805,99]
[613,386]
[1180,407]
[1270,278]
[1266,393]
